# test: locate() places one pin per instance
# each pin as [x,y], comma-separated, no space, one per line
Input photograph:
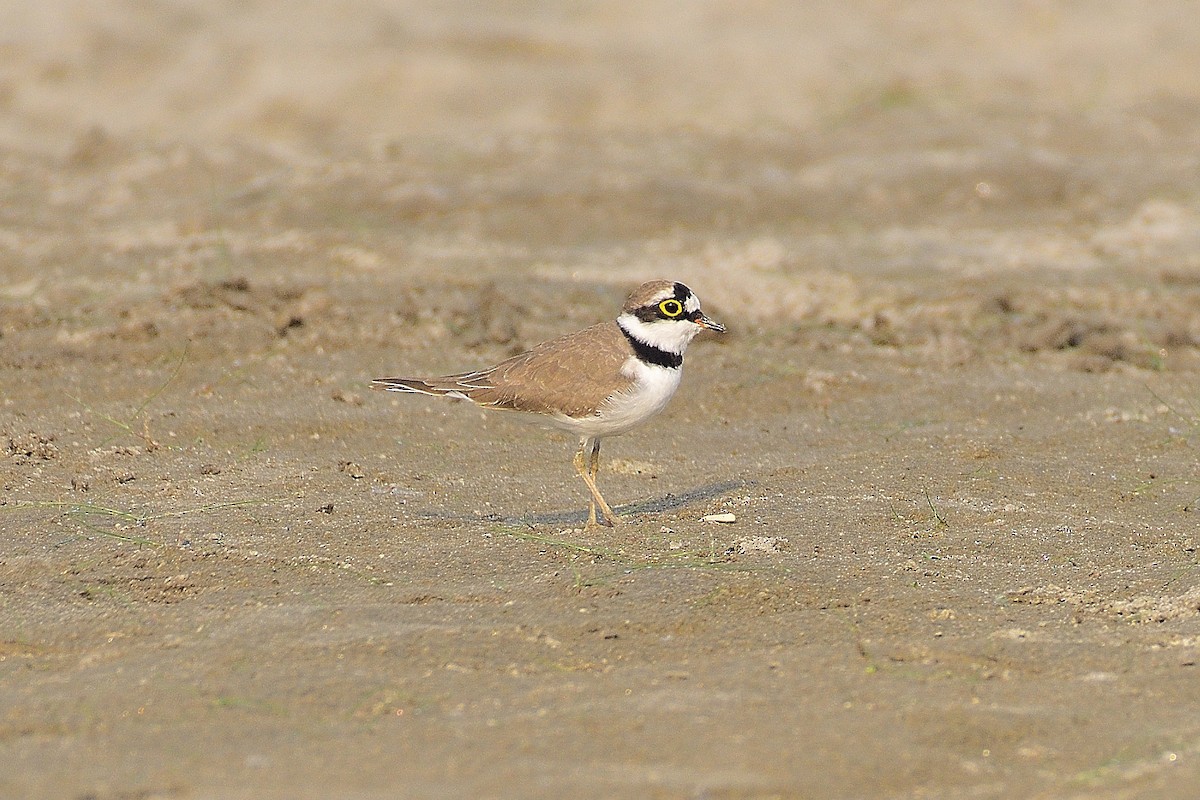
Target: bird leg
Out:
[593,470]
[588,470]
[591,518]
[594,464]
[582,468]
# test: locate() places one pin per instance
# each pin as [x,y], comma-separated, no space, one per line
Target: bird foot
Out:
[593,523]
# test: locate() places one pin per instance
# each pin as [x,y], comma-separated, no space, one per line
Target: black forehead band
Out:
[681,292]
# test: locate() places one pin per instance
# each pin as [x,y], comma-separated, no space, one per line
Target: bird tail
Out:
[438,387]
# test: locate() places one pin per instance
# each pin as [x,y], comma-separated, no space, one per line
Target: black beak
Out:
[704,322]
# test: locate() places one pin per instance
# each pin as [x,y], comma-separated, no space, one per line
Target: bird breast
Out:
[649,391]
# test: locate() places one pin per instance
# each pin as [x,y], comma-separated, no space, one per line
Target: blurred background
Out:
[364,73]
[826,162]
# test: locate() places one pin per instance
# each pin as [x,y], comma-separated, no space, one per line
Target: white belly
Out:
[649,394]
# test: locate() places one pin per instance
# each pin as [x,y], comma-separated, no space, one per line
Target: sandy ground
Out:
[957,415]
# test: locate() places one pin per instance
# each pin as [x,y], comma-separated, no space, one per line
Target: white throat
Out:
[672,336]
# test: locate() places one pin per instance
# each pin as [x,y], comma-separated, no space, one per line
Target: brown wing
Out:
[573,374]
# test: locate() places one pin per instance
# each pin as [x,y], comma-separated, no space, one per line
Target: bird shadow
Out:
[654,505]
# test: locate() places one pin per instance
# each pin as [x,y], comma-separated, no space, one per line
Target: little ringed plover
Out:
[601,381]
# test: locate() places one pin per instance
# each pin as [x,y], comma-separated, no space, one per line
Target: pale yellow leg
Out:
[591,520]
[588,470]
[593,470]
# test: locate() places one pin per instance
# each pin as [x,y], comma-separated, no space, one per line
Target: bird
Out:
[598,382]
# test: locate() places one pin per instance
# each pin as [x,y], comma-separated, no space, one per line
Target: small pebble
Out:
[725,518]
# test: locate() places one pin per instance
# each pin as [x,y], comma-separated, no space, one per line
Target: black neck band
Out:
[651,354]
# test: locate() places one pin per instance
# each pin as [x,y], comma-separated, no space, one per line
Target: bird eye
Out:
[671,308]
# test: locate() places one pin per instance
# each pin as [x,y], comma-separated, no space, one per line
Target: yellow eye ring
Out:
[671,308]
